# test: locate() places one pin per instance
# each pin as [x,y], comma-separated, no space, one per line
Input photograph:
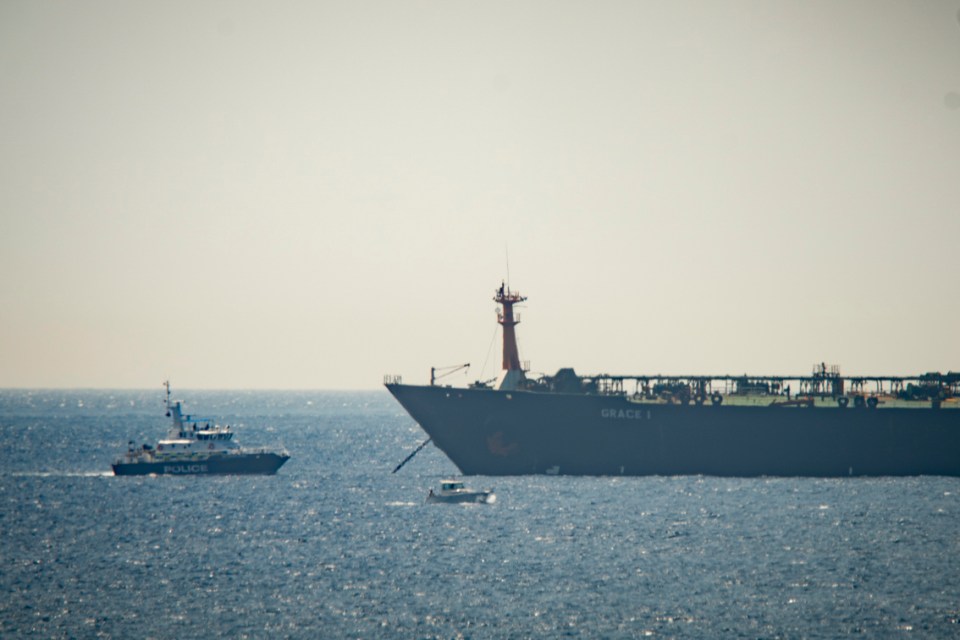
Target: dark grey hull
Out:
[246,464]
[487,432]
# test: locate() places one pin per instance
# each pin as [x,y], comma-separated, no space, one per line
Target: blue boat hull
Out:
[244,464]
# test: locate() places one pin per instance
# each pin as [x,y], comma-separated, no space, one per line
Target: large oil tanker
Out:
[821,424]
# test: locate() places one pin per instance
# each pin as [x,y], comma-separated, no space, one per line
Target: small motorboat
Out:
[455,492]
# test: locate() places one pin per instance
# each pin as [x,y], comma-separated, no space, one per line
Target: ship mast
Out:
[512,374]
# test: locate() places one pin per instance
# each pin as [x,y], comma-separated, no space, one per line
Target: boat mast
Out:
[166,384]
[173,411]
[512,373]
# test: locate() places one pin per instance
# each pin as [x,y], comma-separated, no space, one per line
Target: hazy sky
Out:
[314,194]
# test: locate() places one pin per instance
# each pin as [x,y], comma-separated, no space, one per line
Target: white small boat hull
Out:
[463,497]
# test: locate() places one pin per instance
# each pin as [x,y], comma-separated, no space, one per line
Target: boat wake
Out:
[62,474]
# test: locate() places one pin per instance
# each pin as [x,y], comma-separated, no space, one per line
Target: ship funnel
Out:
[512,374]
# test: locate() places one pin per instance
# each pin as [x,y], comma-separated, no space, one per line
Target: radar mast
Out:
[512,374]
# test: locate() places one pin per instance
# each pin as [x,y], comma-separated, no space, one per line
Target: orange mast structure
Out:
[512,373]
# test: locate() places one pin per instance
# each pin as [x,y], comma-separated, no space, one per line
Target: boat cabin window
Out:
[214,435]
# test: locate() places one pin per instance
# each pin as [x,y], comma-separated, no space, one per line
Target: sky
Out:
[311,195]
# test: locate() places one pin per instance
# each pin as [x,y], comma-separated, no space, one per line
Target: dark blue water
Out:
[335,546]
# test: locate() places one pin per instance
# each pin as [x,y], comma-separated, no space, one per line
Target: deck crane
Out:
[442,372]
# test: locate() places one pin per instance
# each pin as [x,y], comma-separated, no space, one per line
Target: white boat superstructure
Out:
[454,491]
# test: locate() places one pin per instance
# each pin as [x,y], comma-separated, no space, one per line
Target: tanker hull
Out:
[495,432]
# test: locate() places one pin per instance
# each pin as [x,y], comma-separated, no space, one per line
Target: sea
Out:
[336,545]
